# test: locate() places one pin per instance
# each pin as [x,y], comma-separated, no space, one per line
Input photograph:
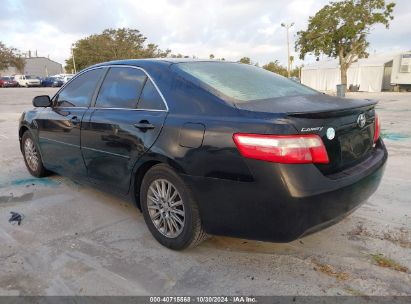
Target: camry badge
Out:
[330,133]
[361,120]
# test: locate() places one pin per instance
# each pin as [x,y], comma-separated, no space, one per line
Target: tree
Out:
[112,44]
[245,60]
[340,30]
[179,56]
[19,63]
[10,57]
[276,67]
[212,56]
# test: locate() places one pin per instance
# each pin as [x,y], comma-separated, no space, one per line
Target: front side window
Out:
[242,82]
[121,88]
[79,92]
[150,99]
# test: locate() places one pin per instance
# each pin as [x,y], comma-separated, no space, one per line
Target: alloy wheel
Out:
[166,208]
[30,154]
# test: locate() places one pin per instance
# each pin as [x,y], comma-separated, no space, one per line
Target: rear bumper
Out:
[9,85]
[284,202]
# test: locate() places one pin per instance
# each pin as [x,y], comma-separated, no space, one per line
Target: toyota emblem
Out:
[361,120]
[330,133]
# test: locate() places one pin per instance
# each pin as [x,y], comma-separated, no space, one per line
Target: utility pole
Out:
[287,27]
[74,61]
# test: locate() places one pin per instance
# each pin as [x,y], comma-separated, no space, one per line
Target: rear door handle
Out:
[144,125]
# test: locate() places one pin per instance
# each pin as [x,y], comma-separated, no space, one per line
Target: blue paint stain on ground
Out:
[37,181]
[394,136]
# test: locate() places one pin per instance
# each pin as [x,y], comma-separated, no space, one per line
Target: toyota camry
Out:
[209,147]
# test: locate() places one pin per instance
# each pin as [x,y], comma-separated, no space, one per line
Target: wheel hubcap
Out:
[30,154]
[166,208]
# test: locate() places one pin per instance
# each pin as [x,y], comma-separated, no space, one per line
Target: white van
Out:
[27,81]
[64,77]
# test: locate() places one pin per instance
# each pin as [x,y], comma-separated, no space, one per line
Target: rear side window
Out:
[150,99]
[243,82]
[121,88]
[78,93]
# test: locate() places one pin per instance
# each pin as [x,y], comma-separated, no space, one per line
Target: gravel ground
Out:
[75,240]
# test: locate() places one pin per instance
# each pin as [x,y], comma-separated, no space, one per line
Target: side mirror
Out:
[42,101]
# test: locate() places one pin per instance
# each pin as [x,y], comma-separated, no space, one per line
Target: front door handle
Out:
[144,125]
[75,120]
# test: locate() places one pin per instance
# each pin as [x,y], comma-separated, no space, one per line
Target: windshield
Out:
[243,82]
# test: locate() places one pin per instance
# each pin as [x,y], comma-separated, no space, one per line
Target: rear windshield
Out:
[243,82]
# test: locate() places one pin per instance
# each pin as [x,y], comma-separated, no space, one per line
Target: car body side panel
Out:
[111,144]
[59,140]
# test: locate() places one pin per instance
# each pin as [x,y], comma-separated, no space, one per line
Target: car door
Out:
[59,126]
[126,120]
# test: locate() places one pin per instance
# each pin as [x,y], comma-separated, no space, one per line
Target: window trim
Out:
[100,82]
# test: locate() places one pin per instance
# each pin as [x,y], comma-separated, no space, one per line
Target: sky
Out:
[229,29]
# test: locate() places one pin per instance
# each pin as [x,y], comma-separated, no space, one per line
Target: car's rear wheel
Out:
[32,157]
[169,209]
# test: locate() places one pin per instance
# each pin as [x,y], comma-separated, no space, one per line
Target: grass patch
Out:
[385,262]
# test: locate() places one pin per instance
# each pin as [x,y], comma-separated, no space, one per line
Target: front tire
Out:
[169,209]
[32,157]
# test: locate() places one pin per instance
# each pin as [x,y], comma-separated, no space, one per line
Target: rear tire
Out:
[32,157]
[169,209]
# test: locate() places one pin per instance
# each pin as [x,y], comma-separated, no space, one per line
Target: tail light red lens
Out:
[285,149]
[377,128]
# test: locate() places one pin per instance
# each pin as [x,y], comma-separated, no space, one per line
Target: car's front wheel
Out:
[169,209]
[32,157]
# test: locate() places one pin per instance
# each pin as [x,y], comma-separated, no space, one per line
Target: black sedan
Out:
[206,147]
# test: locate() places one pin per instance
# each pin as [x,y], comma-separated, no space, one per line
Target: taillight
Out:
[285,149]
[377,128]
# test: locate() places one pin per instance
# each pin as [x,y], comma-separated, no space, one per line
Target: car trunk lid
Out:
[353,140]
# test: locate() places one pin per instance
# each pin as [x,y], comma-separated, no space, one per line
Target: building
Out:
[379,72]
[37,66]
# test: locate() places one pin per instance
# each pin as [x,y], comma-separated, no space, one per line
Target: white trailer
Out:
[401,72]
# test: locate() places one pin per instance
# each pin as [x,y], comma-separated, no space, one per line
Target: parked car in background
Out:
[64,77]
[52,82]
[206,147]
[7,82]
[27,81]
[67,77]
